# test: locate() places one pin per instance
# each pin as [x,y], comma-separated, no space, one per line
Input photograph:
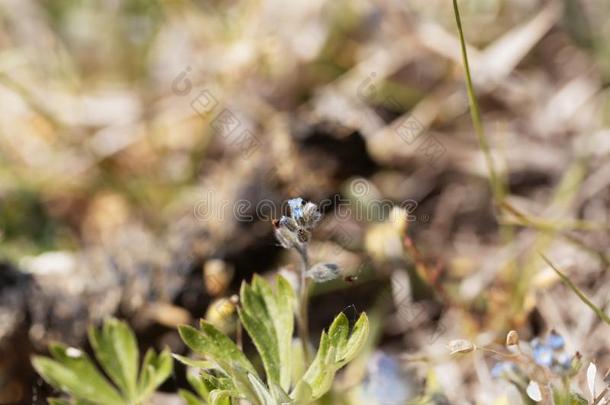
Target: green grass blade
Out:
[598,311]
[475,112]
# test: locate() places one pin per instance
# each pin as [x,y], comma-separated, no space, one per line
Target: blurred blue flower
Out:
[556,341]
[549,352]
[543,355]
[501,369]
[386,383]
[564,362]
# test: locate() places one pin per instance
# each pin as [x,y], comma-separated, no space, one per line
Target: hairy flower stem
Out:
[303,316]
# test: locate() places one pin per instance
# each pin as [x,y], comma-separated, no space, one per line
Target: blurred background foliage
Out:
[112,179]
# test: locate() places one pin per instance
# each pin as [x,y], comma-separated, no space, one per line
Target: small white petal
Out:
[533,391]
[591,374]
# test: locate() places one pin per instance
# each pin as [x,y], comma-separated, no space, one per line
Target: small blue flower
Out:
[296,208]
[564,360]
[543,355]
[556,341]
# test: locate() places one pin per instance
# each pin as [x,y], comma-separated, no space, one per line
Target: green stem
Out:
[239,336]
[303,315]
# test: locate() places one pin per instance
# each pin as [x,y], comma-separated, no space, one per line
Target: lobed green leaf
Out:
[77,376]
[336,349]
[268,317]
[215,345]
[116,349]
[156,368]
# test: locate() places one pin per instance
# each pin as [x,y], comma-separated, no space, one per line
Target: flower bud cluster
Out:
[295,230]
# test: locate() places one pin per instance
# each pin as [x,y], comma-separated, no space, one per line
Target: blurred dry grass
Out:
[106,152]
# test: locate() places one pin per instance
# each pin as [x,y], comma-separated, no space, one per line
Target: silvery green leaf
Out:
[257,322]
[336,349]
[268,317]
[189,397]
[280,307]
[202,385]
[210,342]
[338,333]
[205,384]
[220,397]
[281,397]
[116,349]
[356,341]
[323,272]
[321,372]
[73,372]
[155,369]
[243,385]
[302,393]
[187,361]
[317,373]
[262,393]
[298,360]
